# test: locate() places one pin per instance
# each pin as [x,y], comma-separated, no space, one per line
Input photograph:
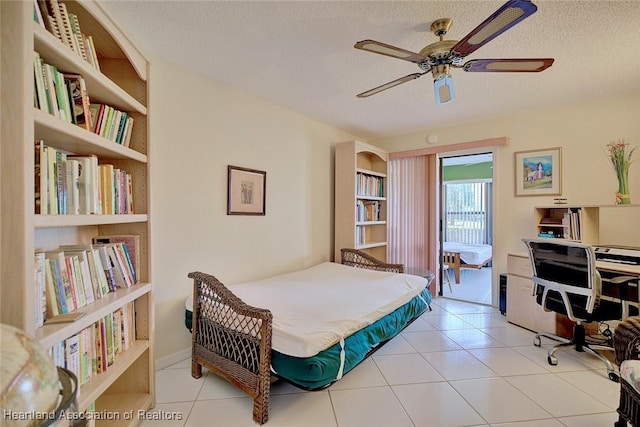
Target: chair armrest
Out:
[623,279]
[626,339]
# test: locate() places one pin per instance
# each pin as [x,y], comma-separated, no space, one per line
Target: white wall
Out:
[583,132]
[198,127]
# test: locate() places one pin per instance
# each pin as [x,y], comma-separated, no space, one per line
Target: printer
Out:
[618,254]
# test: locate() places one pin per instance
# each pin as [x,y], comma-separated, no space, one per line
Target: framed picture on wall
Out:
[539,172]
[246,191]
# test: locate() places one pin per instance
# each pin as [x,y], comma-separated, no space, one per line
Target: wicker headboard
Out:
[357,258]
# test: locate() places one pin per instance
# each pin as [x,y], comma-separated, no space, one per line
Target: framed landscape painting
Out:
[539,172]
[246,191]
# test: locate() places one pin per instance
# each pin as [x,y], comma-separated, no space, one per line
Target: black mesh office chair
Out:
[565,281]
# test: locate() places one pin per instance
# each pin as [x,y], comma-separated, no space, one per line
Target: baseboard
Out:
[169,360]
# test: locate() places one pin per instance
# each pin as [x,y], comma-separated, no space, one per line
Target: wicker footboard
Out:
[625,342]
[231,339]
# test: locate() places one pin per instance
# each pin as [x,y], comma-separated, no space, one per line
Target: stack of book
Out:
[368,210]
[74,276]
[68,184]
[112,124]
[54,17]
[65,96]
[94,349]
[369,185]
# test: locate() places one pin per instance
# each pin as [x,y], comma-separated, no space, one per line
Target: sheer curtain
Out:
[411,215]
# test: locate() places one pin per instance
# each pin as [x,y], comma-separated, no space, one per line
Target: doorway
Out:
[466,227]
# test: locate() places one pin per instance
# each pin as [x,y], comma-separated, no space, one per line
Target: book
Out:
[78,37]
[108,267]
[132,247]
[105,175]
[65,318]
[120,275]
[62,96]
[96,269]
[37,14]
[130,194]
[127,132]
[121,126]
[75,281]
[93,57]
[40,182]
[88,184]
[73,187]
[54,11]
[65,29]
[107,116]
[86,346]
[108,321]
[61,181]
[85,273]
[97,111]
[43,103]
[39,270]
[125,263]
[72,354]
[98,345]
[117,332]
[114,126]
[52,296]
[47,20]
[81,110]
[61,275]
[50,89]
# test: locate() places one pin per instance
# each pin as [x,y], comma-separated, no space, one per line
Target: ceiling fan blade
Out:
[388,50]
[521,65]
[511,13]
[390,85]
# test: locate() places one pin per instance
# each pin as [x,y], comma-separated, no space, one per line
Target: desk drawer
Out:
[519,265]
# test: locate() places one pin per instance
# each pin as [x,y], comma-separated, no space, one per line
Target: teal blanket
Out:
[322,369]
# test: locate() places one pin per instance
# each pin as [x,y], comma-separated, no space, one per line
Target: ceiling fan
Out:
[439,57]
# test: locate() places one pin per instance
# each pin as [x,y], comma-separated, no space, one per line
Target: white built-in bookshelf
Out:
[361,198]
[127,385]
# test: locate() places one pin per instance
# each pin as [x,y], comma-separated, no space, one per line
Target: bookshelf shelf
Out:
[73,138]
[371,172]
[371,222]
[121,82]
[578,223]
[49,221]
[371,245]
[48,335]
[361,199]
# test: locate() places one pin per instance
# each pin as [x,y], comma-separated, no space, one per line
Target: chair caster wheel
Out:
[614,377]
[553,361]
[537,341]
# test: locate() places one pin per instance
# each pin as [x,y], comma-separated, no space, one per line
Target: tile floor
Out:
[474,286]
[460,365]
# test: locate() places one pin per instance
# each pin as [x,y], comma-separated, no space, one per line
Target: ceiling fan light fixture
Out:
[443,89]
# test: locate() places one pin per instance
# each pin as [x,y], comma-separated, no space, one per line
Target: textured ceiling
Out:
[300,55]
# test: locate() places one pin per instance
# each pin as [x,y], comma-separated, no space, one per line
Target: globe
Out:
[28,379]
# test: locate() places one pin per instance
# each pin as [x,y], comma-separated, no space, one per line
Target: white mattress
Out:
[317,307]
[470,253]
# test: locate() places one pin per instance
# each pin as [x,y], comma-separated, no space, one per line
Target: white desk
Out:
[614,267]
[522,308]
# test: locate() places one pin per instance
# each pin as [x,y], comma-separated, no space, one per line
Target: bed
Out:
[311,334]
[465,255]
